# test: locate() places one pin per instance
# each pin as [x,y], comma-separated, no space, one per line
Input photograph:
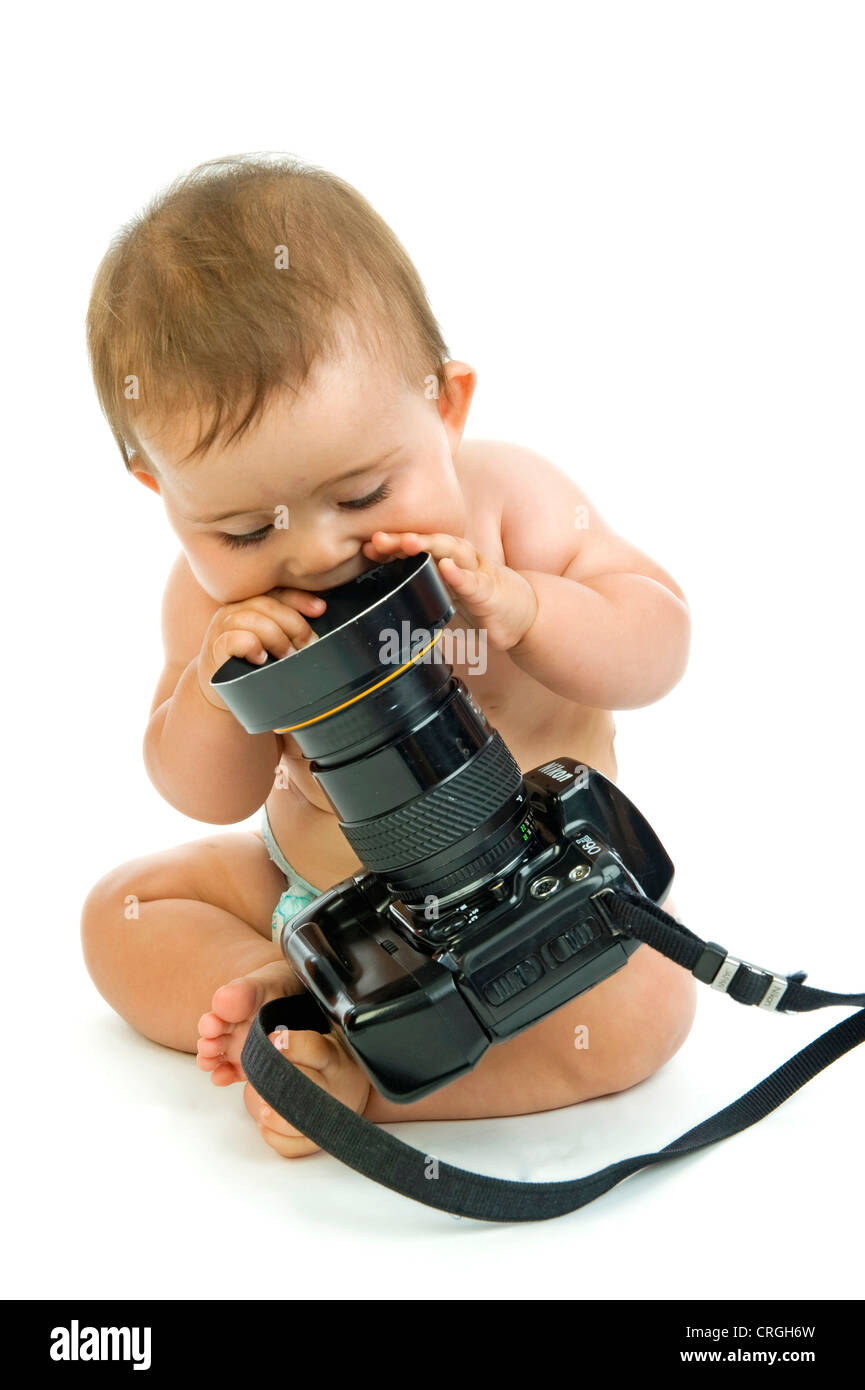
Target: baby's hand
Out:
[271,622]
[488,595]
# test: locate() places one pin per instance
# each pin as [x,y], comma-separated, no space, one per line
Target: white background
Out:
[643,225]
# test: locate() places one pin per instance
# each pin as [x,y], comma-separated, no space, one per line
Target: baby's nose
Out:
[310,561]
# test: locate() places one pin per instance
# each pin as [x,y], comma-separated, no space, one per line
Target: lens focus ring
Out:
[440,817]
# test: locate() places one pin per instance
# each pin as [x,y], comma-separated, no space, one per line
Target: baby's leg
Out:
[161,934]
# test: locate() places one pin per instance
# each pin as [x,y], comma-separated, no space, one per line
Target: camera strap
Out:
[370,1150]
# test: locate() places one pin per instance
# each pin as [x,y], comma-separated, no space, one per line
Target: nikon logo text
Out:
[102,1344]
[556,771]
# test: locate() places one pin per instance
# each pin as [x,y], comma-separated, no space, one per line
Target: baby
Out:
[266,357]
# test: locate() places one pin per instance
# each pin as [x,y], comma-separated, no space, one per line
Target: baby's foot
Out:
[223,1031]
[325,1059]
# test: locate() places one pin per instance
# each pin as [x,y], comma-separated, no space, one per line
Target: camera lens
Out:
[427,793]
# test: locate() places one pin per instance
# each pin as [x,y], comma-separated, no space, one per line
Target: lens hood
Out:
[402,603]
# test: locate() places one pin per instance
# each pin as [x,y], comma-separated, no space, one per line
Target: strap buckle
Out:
[717,967]
[604,915]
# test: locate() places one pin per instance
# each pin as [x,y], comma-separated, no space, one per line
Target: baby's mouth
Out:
[362,564]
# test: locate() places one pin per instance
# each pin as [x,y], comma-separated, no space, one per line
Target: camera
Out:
[480,907]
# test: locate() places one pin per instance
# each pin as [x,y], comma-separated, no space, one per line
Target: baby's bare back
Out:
[534,722]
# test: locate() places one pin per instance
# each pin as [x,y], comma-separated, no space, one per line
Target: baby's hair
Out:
[233,283]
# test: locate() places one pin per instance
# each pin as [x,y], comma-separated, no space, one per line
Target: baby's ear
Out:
[138,470]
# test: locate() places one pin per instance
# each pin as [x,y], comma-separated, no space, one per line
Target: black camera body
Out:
[419,1000]
[480,910]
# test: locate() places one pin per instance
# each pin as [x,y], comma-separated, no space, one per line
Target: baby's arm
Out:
[612,628]
[198,756]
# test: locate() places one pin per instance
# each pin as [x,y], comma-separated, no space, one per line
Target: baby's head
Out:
[266,357]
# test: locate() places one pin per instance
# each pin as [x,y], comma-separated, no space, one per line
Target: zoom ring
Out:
[440,817]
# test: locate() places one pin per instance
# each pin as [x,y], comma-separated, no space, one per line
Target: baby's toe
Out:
[209,1048]
[212,1057]
[212,1025]
[238,1000]
[224,1074]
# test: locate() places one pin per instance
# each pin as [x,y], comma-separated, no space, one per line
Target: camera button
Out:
[544,886]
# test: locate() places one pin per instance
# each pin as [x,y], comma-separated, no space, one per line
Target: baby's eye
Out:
[248,537]
[370,500]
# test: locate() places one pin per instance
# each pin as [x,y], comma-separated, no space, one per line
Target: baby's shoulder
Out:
[497,470]
[491,472]
[491,461]
[537,506]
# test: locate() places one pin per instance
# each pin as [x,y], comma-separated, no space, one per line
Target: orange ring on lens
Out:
[290,727]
